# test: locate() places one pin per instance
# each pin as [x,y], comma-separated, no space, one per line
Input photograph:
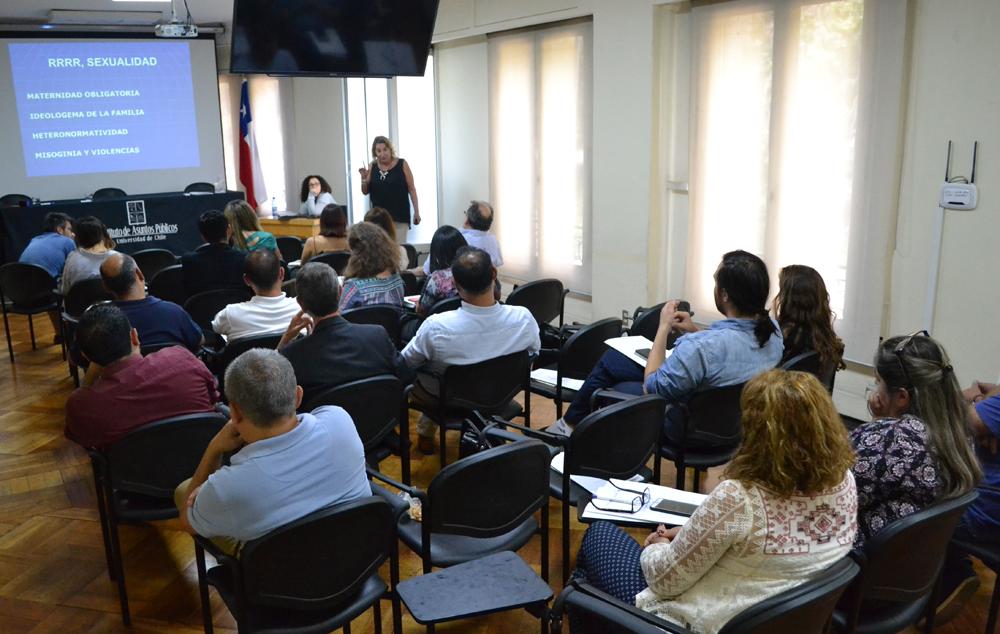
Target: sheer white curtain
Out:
[540,139]
[787,96]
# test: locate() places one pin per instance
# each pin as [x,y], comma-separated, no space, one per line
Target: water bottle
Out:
[274,206]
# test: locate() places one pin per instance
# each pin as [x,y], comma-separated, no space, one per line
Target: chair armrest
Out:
[209,546]
[632,618]
[498,427]
[413,491]
[609,395]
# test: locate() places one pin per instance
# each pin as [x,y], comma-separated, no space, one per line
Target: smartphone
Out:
[673,506]
[643,352]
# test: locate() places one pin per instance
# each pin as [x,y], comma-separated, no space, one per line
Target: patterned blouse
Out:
[440,285]
[743,545]
[372,290]
[896,473]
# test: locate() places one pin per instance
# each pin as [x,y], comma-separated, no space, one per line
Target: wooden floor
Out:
[52,568]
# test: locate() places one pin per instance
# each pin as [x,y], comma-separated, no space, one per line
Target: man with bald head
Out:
[478,221]
[157,321]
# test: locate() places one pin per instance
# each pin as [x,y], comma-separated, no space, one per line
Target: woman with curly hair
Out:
[315,195]
[382,218]
[802,308]
[247,233]
[372,273]
[794,463]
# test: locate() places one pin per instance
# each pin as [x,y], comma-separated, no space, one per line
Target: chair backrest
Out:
[290,248]
[108,192]
[84,293]
[155,458]
[715,417]
[15,200]
[544,298]
[241,345]
[375,405]
[809,361]
[321,560]
[156,347]
[444,305]
[200,187]
[805,608]
[411,285]
[584,349]
[168,284]
[288,288]
[490,493]
[616,441]
[152,261]
[891,571]
[385,315]
[337,259]
[206,305]
[646,321]
[487,386]
[27,285]
[411,255]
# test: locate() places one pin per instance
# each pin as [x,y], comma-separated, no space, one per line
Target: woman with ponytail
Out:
[729,352]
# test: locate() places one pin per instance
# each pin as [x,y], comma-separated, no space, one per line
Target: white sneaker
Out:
[559,428]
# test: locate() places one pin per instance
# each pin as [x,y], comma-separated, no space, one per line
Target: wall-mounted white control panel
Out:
[958,196]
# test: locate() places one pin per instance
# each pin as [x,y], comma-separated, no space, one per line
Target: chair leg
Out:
[697,480]
[6,328]
[103,512]
[680,475]
[991,621]
[565,538]
[559,411]
[377,609]
[31,329]
[397,610]
[119,572]
[545,542]
[443,434]
[206,606]
[347,628]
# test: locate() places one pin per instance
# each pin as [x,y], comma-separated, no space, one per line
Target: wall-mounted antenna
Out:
[975,151]
[947,163]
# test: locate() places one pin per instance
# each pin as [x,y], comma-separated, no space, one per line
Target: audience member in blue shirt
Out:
[730,351]
[157,321]
[49,250]
[285,466]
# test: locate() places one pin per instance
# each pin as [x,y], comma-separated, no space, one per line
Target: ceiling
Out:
[203,11]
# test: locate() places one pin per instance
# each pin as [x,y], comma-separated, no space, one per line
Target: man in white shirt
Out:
[268,311]
[478,220]
[481,329]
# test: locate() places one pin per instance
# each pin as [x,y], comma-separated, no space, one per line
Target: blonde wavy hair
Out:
[241,217]
[372,252]
[794,441]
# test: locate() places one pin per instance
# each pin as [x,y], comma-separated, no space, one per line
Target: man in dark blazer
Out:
[335,351]
[215,264]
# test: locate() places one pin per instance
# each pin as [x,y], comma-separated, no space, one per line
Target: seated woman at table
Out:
[93,246]
[382,218]
[247,234]
[372,273]
[786,510]
[802,309]
[440,284]
[332,233]
[315,195]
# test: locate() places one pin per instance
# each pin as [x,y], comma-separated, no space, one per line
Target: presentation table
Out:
[298,227]
[145,221]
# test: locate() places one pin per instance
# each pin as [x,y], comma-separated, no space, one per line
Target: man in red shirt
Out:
[124,390]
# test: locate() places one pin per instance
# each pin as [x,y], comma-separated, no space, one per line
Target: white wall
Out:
[317,136]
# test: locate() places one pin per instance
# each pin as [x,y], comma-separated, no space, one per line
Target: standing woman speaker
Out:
[389,182]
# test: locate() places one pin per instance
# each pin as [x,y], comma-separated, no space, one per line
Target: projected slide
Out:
[87,107]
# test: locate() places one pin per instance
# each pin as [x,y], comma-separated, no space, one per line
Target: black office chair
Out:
[804,608]
[337,259]
[218,363]
[545,299]
[989,554]
[315,574]
[445,305]
[200,187]
[712,429]
[477,506]
[809,361]
[645,321]
[385,315]
[146,350]
[290,248]
[81,296]
[15,200]
[412,285]
[204,306]
[487,388]
[377,405]
[576,358]
[288,288]
[411,255]
[105,193]
[135,479]
[900,566]
[152,261]
[31,291]
[168,284]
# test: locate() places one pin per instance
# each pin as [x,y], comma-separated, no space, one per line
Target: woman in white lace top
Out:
[787,510]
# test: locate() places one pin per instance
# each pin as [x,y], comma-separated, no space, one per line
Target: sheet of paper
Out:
[647,514]
[628,345]
[548,377]
[589,483]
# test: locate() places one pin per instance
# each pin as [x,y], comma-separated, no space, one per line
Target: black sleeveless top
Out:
[388,190]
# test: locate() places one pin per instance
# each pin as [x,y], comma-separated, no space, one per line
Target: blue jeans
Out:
[613,370]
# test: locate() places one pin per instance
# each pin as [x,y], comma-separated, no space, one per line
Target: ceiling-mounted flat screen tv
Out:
[344,38]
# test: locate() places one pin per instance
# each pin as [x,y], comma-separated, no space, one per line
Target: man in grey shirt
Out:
[286,466]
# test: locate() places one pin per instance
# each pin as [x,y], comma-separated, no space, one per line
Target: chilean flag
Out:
[250,175]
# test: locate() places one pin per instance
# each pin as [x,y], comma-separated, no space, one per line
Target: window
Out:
[781,100]
[372,111]
[540,129]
